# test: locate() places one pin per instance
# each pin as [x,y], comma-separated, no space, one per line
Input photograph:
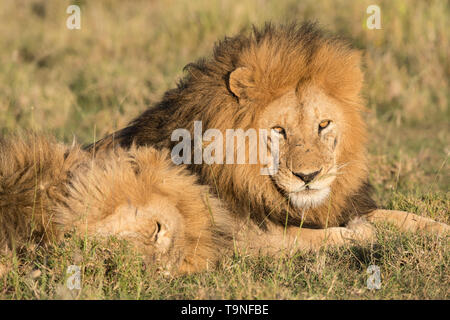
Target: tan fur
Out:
[409,222]
[47,189]
[235,89]
[292,74]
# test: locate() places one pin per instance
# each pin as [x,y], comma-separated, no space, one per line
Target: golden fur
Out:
[293,74]
[47,189]
[235,88]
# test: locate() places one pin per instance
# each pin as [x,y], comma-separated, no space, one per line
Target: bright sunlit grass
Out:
[86,83]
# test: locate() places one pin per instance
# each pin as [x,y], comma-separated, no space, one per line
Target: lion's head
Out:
[308,127]
[304,87]
[301,84]
[141,196]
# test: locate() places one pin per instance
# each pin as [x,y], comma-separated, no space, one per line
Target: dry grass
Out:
[88,82]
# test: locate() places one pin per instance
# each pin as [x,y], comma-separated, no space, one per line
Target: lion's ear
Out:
[240,81]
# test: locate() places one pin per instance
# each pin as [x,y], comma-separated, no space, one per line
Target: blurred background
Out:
[88,82]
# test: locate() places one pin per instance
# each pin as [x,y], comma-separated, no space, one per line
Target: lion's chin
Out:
[310,198]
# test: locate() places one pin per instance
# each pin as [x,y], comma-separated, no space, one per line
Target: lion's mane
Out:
[48,189]
[280,58]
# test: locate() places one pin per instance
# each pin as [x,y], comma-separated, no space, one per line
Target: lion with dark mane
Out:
[304,86]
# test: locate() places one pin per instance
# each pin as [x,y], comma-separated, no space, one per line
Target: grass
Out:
[86,83]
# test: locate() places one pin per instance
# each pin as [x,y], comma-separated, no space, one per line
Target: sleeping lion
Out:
[48,189]
[303,86]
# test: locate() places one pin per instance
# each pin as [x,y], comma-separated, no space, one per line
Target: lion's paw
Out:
[361,230]
[438,228]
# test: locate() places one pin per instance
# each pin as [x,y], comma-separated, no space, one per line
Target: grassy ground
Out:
[88,82]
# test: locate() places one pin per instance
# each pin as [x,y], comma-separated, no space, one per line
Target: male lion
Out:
[303,85]
[47,189]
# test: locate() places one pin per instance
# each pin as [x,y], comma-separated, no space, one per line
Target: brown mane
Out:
[280,58]
[48,189]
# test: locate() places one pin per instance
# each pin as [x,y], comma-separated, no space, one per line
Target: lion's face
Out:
[155,228]
[307,124]
[140,196]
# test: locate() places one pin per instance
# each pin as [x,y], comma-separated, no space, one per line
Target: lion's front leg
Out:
[280,240]
[407,221]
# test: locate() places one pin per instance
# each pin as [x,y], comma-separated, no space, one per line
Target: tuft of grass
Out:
[89,82]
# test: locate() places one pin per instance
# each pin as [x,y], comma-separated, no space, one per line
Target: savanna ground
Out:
[85,83]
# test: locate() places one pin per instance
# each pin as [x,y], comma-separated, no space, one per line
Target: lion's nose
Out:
[307,178]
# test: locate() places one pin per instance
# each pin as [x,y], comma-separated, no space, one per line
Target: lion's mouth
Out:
[308,197]
[305,189]
[308,189]
[306,192]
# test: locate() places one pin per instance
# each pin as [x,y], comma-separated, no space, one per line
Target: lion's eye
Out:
[324,124]
[279,130]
